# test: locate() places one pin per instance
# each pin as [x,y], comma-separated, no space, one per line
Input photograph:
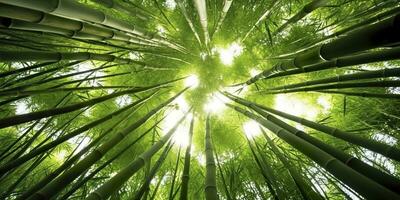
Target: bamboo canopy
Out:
[199,99]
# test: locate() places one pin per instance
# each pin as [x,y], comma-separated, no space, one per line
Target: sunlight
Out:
[201,159]
[254,72]
[181,135]
[226,55]
[295,106]
[216,103]
[60,156]
[123,100]
[170,4]
[161,30]
[21,107]
[251,129]
[325,102]
[192,81]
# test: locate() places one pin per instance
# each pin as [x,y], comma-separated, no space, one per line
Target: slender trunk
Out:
[210,179]
[124,174]
[302,185]
[153,171]
[358,182]
[17,162]
[306,10]
[186,166]
[375,35]
[52,188]
[19,119]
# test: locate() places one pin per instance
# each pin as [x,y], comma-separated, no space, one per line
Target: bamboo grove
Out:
[199,99]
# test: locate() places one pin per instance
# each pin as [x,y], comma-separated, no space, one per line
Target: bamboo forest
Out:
[199,99]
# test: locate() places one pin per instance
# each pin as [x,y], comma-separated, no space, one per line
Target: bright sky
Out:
[228,54]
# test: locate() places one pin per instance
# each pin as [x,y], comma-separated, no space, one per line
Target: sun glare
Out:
[181,135]
[226,55]
[254,72]
[216,103]
[60,156]
[251,129]
[192,81]
[293,105]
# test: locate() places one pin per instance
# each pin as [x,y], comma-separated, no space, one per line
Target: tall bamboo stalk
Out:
[304,188]
[306,10]
[372,36]
[201,8]
[105,190]
[52,188]
[365,186]
[210,182]
[54,143]
[186,165]
[19,119]
[384,149]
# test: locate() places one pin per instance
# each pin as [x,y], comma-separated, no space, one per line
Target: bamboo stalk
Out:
[366,84]
[19,119]
[358,182]
[186,165]
[201,8]
[381,148]
[372,36]
[113,184]
[306,10]
[362,58]
[210,179]
[362,94]
[52,188]
[17,162]
[304,188]
[383,73]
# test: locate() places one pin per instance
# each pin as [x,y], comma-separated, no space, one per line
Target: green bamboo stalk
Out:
[304,188]
[344,31]
[201,8]
[24,56]
[366,84]
[47,72]
[264,16]
[188,20]
[17,162]
[210,179]
[384,149]
[383,73]
[52,188]
[69,162]
[372,36]
[176,168]
[362,58]
[363,185]
[55,90]
[186,165]
[306,10]
[119,7]
[26,19]
[265,172]
[17,71]
[378,176]
[124,174]
[362,94]
[225,9]
[19,119]
[78,11]
[153,171]
[228,196]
